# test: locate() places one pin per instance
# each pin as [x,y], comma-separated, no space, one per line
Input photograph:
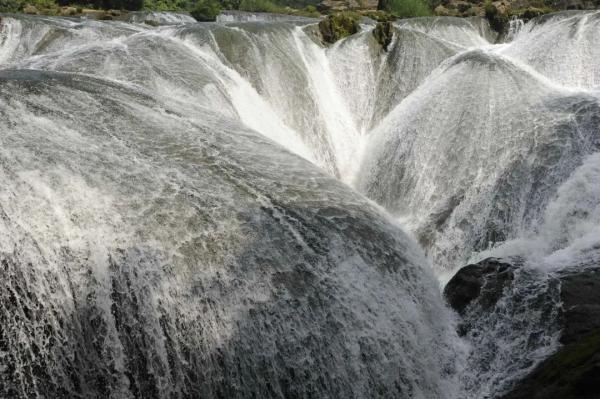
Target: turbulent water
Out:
[184,212]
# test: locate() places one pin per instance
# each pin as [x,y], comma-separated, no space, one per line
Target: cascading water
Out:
[493,155]
[162,238]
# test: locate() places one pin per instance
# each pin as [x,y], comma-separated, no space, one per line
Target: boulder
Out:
[574,370]
[483,282]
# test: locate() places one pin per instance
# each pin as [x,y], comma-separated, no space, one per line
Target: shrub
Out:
[230,4]
[10,5]
[259,6]
[206,10]
[409,8]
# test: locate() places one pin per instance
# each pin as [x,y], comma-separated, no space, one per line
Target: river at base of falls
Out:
[177,217]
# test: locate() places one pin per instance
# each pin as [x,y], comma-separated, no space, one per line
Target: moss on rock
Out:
[338,26]
[383,33]
[498,18]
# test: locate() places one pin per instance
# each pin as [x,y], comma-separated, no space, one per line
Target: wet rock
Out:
[384,33]
[580,293]
[482,282]
[574,370]
[497,15]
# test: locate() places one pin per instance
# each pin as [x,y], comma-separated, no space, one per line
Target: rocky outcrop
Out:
[580,293]
[483,282]
[384,33]
[338,26]
[571,373]
[574,370]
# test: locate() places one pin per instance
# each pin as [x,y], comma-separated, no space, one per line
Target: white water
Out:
[146,169]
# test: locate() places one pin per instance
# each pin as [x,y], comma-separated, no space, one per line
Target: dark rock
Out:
[484,282]
[580,293]
[383,33]
[574,370]
[497,17]
[382,5]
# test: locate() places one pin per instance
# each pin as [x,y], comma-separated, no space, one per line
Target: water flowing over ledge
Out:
[181,212]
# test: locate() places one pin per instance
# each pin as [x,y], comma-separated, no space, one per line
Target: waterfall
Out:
[514,27]
[233,209]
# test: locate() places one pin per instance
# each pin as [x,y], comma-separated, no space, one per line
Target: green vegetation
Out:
[47,7]
[338,26]
[383,33]
[259,6]
[206,10]
[379,16]
[10,5]
[408,8]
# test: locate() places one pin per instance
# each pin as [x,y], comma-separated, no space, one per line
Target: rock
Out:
[384,33]
[68,11]
[382,5]
[497,15]
[580,294]
[574,370]
[151,22]
[483,282]
[105,17]
[462,6]
[571,373]
[29,9]
[338,26]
